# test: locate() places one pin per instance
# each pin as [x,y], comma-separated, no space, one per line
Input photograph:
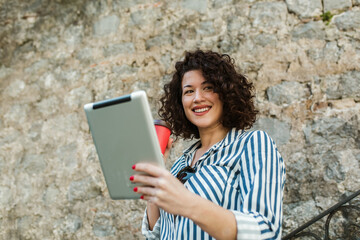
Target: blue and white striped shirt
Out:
[243,173]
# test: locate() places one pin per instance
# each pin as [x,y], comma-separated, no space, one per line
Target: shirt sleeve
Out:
[247,226]
[150,235]
[261,182]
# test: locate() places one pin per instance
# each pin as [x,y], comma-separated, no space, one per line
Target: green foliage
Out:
[326,17]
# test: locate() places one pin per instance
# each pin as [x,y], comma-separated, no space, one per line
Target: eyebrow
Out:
[203,83]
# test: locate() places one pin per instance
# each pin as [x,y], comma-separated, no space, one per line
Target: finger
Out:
[150,169]
[149,191]
[149,198]
[144,179]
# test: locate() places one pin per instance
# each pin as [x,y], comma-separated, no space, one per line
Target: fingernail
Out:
[135,189]
[142,197]
[131,178]
[133,166]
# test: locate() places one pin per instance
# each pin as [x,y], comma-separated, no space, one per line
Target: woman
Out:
[231,180]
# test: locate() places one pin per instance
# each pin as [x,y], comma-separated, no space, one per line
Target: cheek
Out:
[216,98]
[185,102]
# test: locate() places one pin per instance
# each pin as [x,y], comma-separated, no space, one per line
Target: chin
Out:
[204,125]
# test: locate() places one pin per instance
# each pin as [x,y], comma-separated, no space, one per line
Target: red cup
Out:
[163,133]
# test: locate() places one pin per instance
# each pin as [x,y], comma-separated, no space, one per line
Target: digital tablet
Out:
[124,134]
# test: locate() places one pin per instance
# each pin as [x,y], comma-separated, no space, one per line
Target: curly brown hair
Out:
[235,92]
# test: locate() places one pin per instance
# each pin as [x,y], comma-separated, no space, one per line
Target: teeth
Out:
[201,110]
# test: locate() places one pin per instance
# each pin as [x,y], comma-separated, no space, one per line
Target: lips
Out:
[201,109]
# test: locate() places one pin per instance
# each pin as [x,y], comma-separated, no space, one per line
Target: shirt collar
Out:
[192,148]
[232,135]
[229,138]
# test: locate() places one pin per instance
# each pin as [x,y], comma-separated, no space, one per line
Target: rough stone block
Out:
[287,93]
[124,70]
[67,155]
[85,55]
[2,161]
[38,66]
[8,135]
[144,17]
[83,190]
[68,77]
[329,131]
[265,39]
[268,15]
[71,223]
[32,164]
[5,195]
[74,35]
[305,210]
[336,5]
[95,8]
[305,8]
[48,81]
[25,189]
[15,88]
[199,6]
[106,25]
[220,3]
[311,30]
[104,224]
[17,114]
[48,42]
[349,20]
[330,53]
[78,97]
[115,49]
[278,130]
[25,224]
[4,71]
[121,4]
[48,106]
[50,196]
[343,86]
[332,166]
[206,28]
[160,40]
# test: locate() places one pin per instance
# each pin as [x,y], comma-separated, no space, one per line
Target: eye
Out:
[209,88]
[188,91]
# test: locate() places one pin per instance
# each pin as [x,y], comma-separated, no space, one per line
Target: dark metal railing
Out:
[351,227]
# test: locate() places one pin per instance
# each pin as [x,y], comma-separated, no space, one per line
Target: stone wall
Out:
[57,55]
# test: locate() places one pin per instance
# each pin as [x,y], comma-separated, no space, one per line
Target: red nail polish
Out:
[131,178]
[142,197]
[135,189]
[133,166]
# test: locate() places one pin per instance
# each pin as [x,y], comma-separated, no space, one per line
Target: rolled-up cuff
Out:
[247,226]
[155,233]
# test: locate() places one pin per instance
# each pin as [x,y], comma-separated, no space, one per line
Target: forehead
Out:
[193,77]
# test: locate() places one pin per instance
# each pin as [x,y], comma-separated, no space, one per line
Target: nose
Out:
[198,96]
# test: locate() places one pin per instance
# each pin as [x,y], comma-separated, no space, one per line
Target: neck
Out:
[210,136]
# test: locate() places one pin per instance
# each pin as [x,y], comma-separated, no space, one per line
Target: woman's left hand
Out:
[161,188]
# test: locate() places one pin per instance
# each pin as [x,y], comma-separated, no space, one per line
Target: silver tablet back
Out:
[124,134]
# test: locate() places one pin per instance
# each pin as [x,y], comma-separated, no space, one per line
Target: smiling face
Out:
[202,106]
